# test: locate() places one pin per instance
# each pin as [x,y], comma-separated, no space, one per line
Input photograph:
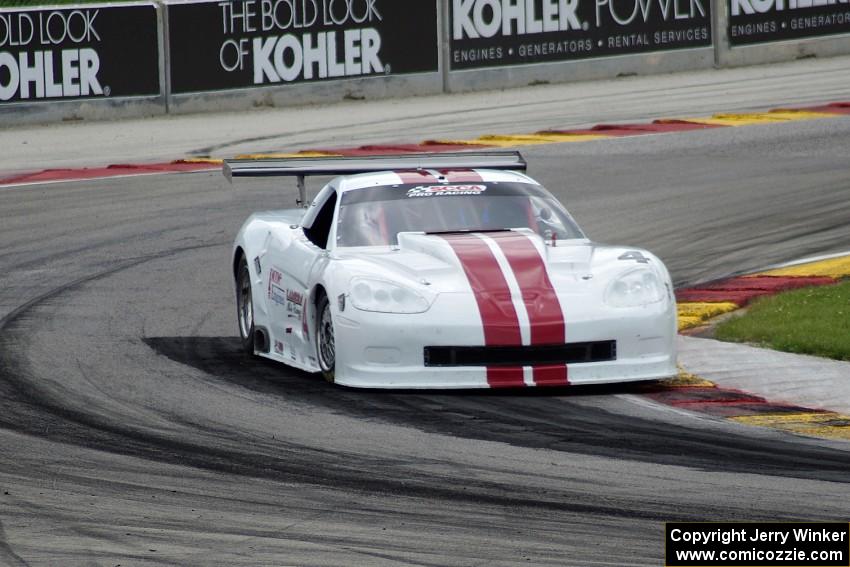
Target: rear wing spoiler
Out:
[313,166]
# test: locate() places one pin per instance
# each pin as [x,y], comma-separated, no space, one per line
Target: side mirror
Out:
[545,213]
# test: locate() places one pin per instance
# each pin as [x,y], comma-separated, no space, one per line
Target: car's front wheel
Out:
[325,339]
[245,307]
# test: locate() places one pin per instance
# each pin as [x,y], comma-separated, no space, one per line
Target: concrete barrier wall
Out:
[309,93]
[87,62]
[265,53]
[571,40]
[782,51]
[583,70]
[752,33]
[206,57]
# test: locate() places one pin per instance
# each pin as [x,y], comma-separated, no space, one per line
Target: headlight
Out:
[385,297]
[635,288]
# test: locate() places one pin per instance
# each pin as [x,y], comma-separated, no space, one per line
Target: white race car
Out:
[444,271]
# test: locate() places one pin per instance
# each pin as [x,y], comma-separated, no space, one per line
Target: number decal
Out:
[636,256]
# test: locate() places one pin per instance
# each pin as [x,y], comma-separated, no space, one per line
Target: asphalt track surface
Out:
[134,433]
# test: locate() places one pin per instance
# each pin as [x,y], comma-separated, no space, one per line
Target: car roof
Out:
[384,178]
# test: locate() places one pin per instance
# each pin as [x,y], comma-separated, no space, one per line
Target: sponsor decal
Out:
[276,292]
[445,190]
[294,301]
[267,42]
[278,347]
[304,325]
[756,21]
[82,52]
[488,33]
[294,296]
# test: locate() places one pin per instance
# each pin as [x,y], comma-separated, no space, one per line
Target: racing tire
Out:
[325,345]
[245,308]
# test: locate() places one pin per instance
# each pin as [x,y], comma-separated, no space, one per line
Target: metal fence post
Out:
[164,53]
[444,42]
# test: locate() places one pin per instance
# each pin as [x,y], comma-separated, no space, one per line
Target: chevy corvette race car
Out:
[444,271]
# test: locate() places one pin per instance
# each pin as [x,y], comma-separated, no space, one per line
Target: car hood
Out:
[450,263]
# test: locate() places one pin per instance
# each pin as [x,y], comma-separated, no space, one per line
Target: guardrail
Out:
[144,58]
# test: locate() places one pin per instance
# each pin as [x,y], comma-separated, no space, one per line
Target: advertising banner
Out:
[252,43]
[494,33]
[88,51]
[757,21]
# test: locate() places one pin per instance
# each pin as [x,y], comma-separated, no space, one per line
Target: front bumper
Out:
[380,350]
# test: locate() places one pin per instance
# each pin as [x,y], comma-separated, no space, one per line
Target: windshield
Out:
[373,216]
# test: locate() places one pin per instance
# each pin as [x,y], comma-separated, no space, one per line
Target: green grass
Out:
[813,320]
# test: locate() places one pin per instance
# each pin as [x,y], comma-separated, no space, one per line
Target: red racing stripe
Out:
[451,175]
[461,175]
[493,296]
[541,302]
[416,176]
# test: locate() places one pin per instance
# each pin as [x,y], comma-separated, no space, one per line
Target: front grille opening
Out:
[571,353]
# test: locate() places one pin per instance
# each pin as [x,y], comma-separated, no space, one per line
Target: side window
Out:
[320,228]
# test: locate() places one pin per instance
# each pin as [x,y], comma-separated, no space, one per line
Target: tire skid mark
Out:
[6,552]
[28,410]
[533,418]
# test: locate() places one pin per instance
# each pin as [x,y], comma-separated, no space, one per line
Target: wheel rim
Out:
[244,305]
[327,352]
